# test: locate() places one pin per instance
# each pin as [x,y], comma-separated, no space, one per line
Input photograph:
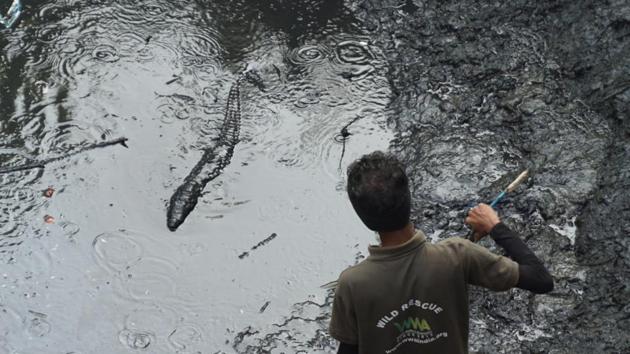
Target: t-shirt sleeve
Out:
[343,324]
[487,269]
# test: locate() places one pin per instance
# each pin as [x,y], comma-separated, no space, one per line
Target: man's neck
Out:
[398,237]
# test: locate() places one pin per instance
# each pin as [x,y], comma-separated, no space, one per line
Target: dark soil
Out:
[487,89]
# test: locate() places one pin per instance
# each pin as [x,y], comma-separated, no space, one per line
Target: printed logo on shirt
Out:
[412,329]
[413,323]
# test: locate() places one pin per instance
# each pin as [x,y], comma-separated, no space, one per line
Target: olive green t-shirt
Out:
[413,298]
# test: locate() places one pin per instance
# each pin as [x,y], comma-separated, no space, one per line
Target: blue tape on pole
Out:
[497,199]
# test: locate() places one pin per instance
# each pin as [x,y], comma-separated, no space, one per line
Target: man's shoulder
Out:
[451,251]
[355,273]
[453,244]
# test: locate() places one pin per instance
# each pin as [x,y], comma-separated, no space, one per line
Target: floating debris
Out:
[37,325]
[264,307]
[12,15]
[343,136]
[43,163]
[330,285]
[259,244]
[48,193]
[175,78]
[49,219]
[265,241]
[136,339]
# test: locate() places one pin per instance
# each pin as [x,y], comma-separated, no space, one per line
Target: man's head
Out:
[379,191]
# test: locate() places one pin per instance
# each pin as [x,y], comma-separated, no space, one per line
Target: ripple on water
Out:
[65,137]
[151,278]
[308,99]
[117,251]
[130,42]
[167,113]
[18,202]
[50,33]
[70,229]
[184,337]
[105,53]
[10,320]
[136,339]
[309,54]
[201,50]
[143,327]
[40,88]
[36,324]
[208,127]
[136,15]
[66,65]
[354,52]
[51,12]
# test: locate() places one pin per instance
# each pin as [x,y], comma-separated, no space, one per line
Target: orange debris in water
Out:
[49,219]
[48,193]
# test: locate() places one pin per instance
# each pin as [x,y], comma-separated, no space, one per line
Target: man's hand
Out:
[482,219]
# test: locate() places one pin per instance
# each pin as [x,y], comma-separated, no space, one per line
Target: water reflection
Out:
[158,73]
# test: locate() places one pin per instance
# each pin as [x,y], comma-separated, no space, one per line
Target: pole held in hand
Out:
[522,177]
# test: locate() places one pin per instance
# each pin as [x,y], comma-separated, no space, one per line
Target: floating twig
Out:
[43,163]
[172,80]
[264,307]
[343,136]
[259,244]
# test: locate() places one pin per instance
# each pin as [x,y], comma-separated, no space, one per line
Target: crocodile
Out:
[214,158]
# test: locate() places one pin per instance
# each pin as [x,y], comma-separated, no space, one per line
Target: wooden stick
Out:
[517,181]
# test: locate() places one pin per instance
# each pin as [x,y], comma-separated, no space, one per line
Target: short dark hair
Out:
[378,189]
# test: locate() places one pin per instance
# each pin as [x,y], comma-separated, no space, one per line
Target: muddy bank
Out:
[485,90]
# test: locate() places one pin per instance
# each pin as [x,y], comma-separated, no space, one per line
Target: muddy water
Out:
[106,275]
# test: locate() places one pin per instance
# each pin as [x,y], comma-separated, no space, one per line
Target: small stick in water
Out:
[259,244]
[175,78]
[43,163]
[264,307]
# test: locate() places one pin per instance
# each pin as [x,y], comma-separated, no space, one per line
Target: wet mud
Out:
[486,89]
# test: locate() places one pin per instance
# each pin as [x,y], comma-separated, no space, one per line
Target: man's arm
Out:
[533,275]
[348,349]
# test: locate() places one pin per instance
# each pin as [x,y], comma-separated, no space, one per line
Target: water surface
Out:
[107,275]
